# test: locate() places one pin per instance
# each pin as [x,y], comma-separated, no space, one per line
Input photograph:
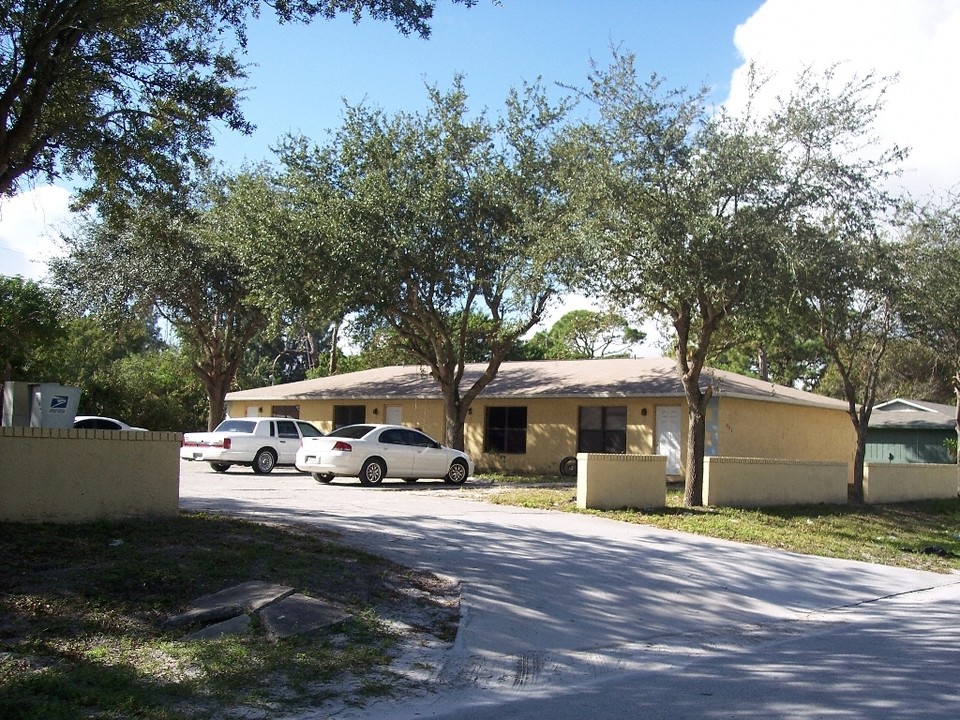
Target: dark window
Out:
[285,411]
[354,432]
[603,430]
[308,430]
[418,439]
[349,415]
[287,429]
[393,436]
[241,426]
[506,430]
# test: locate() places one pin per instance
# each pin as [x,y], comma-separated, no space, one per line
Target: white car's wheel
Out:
[372,472]
[220,467]
[322,477]
[457,474]
[264,461]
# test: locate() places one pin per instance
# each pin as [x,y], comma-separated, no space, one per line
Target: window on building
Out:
[506,430]
[603,430]
[285,411]
[348,415]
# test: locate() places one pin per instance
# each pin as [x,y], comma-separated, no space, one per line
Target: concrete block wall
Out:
[612,482]
[758,482]
[67,475]
[899,482]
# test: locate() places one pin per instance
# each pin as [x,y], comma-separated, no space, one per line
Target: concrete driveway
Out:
[568,616]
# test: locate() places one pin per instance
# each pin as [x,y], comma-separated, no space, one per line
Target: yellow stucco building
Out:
[535,414]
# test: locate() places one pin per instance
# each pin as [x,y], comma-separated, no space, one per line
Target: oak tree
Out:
[698,215]
[123,92]
[182,265]
[444,231]
[932,274]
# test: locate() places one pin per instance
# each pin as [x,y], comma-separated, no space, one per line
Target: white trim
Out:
[901,401]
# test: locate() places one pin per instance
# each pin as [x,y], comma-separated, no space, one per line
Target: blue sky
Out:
[302,74]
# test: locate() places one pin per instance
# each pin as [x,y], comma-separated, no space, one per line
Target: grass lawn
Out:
[82,610]
[920,535]
[82,606]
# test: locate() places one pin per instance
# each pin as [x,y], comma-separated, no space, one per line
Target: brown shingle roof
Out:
[606,378]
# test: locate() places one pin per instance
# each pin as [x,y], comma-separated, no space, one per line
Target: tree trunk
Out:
[453,435]
[332,365]
[696,439]
[763,364]
[856,490]
[861,421]
[216,388]
[956,391]
[216,409]
[693,466]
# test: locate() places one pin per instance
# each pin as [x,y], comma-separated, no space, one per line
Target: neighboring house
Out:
[534,414]
[911,431]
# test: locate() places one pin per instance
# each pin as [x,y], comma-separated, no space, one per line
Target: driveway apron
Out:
[566,615]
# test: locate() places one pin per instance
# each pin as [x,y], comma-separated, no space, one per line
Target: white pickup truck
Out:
[260,442]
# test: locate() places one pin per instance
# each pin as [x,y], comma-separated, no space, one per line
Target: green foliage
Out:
[124,371]
[440,227]
[125,92]
[29,319]
[87,602]
[181,265]
[159,391]
[291,356]
[886,534]
[706,215]
[932,273]
[951,445]
[913,370]
[583,334]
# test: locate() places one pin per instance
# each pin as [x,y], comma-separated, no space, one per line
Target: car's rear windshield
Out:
[308,430]
[354,432]
[241,426]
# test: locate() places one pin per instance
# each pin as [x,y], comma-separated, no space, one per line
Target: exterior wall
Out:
[552,432]
[743,428]
[892,482]
[53,475]
[763,429]
[551,426]
[758,482]
[612,482]
[424,414]
[908,446]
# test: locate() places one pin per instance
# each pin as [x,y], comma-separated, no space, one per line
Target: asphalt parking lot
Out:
[570,616]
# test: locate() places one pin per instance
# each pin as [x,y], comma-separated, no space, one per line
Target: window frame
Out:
[609,437]
[509,436]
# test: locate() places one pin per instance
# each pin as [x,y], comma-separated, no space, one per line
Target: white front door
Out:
[668,436]
[393,415]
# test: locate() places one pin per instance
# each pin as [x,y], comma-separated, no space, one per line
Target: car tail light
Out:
[341,445]
[225,444]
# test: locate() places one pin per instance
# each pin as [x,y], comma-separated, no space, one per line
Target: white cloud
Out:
[917,40]
[29,222]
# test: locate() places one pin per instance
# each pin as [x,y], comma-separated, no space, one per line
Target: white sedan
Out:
[374,452]
[97,422]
